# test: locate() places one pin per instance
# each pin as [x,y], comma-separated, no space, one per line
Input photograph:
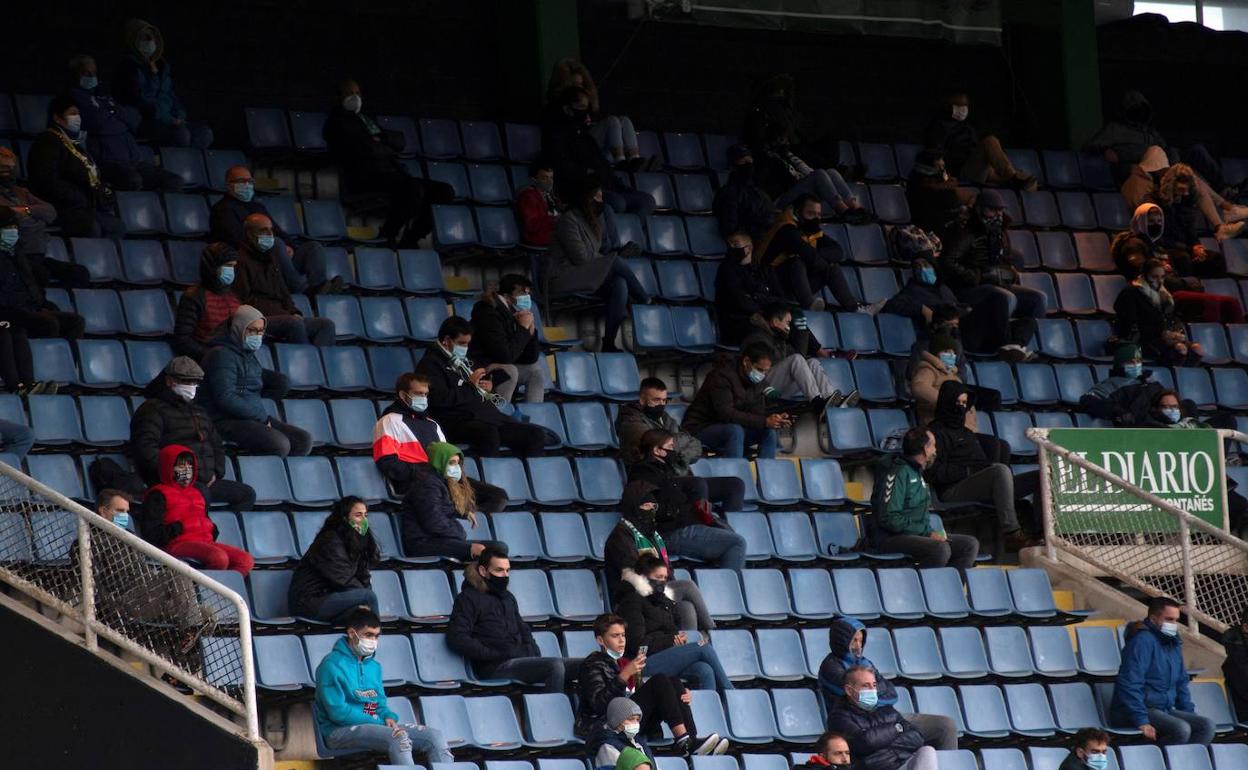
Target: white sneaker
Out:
[874,308]
[710,744]
[722,748]
[1014,354]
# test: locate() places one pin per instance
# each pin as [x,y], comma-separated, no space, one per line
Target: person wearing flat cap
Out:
[170,415]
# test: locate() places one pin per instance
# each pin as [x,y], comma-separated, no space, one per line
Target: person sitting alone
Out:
[333,576]
[877,734]
[1089,750]
[729,411]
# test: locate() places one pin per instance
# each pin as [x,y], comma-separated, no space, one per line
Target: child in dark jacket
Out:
[175,516]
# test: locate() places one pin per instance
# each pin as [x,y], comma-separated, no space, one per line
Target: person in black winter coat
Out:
[971,157]
[1145,313]
[935,199]
[205,307]
[23,304]
[170,415]
[1177,195]
[332,579]
[504,338]
[635,535]
[743,287]
[741,206]
[367,158]
[878,736]
[962,472]
[63,173]
[458,393]
[438,496]
[642,599]
[729,412]
[685,516]
[1126,395]
[612,693]
[487,630]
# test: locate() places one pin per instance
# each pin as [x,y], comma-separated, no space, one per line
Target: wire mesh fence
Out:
[142,602]
[1142,540]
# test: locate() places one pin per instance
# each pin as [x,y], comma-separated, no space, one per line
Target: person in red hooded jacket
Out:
[175,516]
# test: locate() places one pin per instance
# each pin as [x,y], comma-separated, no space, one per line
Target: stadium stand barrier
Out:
[1154,547]
[123,590]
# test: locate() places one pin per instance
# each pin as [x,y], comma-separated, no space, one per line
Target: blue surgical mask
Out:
[264,242]
[1173,415]
[614,654]
[122,519]
[147,48]
[927,275]
[867,699]
[253,341]
[756,376]
[8,238]
[225,275]
[1170,629]
[73,124]
[949,359]
[1133,370]
[454,472]
[244,192]
[524,302]
[89,82]
[1097,761]
[419,403]
[459,351]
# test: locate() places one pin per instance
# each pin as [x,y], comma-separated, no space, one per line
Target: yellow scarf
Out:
[784,219]
[93,174]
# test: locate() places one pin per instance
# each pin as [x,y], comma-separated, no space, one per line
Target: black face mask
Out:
[743,172]
[497,583]
[735,254]
[1155,231]
[644,520]
[808,226]
[7,179]
[654,412]
[657,587]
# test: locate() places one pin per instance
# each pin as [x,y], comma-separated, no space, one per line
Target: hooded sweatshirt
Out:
[1133,247]
[1151,676]
[1132,133]
[631,759]
[233,377]
[205,307]
[349,691]
[173,513]
[840,659]
[958,451]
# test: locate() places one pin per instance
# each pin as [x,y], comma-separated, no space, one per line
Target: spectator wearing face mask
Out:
[613,133]
[970,157]
[805,259]
[110,128]
[1125,395]
[259,282]
[1089,750]
[743,287]
[936,365]
[235,387]
[170,415]
[1145,314]
[62,172]
[740,205]
[1177,193]
[204,308]
[175,516]
[922,296]
[1131,249]
[401,439]
[333,577]
[796,374]
[438,497]
[729,411]
[538,206]
[576,263]
[936,200]
[367,158]
[302,263]
[786,177]
[1223,216]
[504,338]
[145,81]
[24,308]
[878,735]
[32,213]
[979,265]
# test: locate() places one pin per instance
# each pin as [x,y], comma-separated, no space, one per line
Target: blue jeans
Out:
[615,134]
[1177,727]
[305,269]
[730,440]
[16,438]
[334,607]
[424,740]
[696,662]
[826,184]
[723,547]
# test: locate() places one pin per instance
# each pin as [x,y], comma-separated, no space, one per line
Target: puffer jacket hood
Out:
[636,493]
[947,400]
[169,457]
[1139,220]
[136,27]
[213,257]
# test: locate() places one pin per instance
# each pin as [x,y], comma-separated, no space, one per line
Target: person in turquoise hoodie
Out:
[350,707]
[1151,692]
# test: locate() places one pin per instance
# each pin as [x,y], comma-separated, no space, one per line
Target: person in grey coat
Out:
[575,264]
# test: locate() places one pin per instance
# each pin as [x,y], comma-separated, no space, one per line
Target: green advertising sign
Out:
[1182,467]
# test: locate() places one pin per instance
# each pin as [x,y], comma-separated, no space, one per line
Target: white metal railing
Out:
[127,592]
[1166,551]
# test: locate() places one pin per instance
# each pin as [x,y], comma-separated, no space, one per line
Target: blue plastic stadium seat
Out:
[1075,290]
[897,334]
[1036,384]
[1074,705]
[32,112]
[1026,161]
[102,310]
[577,374]
[384,320]
[217,163]
[1057,251]
[420,270]
[778,483]
[552,481]
[302,364]
[1111,211]
[266,128]
[989,592]
[781,658]
[103,363]
[1093,252]
[378,269]
[657,186]
[1107,288]
[823,481]
[564,538]
[677,280]
[438,667]
[1024,242]
[187,163]
[425,316]
[481,140]
[752,526]
[587,425]
[813,595]
[54,420]
[985,711]
[692,330]
[867,245]
[323,220]
[1055,337]
[148,313]
[267,475]
[144,262]
[666,235]
[722,590]
[858,332]
[1076,210]
[918,654]
[694,194]
[1030,713]
[387,363]
[684,151]
[717,150]
[943,593]
[489,184]
[187,214]
[1228,756]
[346,369]
[1051,651]
[601,480]
[183,257]
[848,432]
[497,228]
[901,594]
[878,283]
[453,174]
[1092,335]
[508,473]
[1098,650]
[1012,427]
[280,663]
[1062,169]
[269,590]
[440,138]
[54,361]
[576,595]
[429,598]
[857,593]
[1040,209]
[1095,172]
[1232,388]
[1193,382]
[879,162]
[141,213]
[704,239]
[766,595]
[1210,700]
[620,378]
[312,481]
[99,257]
[889,203]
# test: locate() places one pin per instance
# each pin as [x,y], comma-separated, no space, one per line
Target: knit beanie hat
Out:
[1125,353]
[631,759]
[620,709]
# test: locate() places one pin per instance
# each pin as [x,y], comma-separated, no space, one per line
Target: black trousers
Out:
[659,699]
[16,364]
[486,438]
[50,323]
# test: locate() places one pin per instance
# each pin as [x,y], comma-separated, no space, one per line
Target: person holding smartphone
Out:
[729,412]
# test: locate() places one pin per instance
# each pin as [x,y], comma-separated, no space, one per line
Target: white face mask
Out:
[632,728]
[366,647]
[73,123]
[187,392]
[352,103]
[960,111]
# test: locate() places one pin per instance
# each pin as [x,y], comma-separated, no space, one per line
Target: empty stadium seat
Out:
[1076,210]
[1040,209]
[141,213]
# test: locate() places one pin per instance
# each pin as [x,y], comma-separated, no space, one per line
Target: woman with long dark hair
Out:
[333,578]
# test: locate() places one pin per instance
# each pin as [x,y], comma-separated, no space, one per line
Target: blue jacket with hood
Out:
[840,659]
[1152,676]
[349,691]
